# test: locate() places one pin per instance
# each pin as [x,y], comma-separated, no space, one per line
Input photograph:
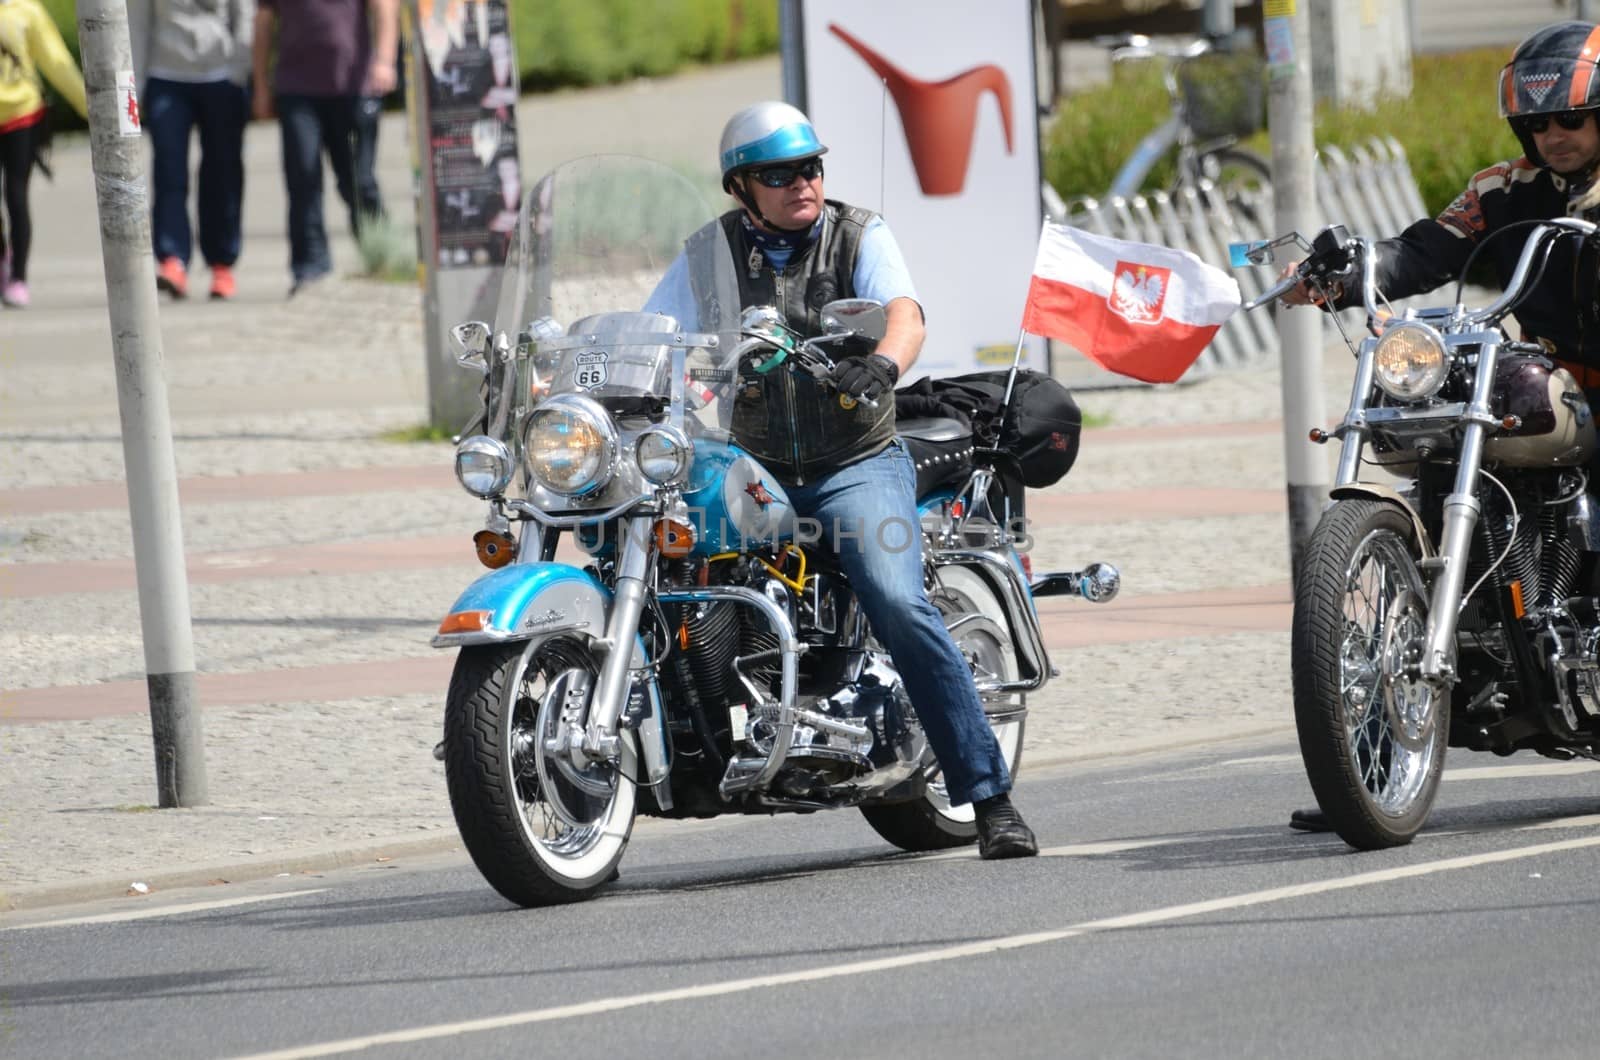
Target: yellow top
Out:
[30,45]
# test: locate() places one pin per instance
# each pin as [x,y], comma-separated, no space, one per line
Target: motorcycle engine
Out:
[855,716]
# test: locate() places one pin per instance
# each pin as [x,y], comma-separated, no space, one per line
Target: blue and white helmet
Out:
[763,134]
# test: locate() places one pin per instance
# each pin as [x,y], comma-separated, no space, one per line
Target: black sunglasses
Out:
[1570,120]
[782,175]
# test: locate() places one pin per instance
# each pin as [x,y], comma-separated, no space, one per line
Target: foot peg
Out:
[1096,583]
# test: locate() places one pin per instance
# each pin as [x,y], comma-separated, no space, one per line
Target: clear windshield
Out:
[600,297]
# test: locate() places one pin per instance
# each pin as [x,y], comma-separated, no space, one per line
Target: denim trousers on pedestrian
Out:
[345,127]
[868,511]
[220,110]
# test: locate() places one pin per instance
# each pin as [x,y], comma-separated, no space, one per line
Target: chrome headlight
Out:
[1410,362]
[483,466]
[571,445]
[663,453]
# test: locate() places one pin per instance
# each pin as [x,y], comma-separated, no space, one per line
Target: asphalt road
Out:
[1172,913]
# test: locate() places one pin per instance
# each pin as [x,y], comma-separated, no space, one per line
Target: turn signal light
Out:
[674,540]
[1318,435]
[495,550]
[466,622]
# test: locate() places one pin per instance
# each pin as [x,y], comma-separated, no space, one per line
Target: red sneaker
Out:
[172,278]
[222,285]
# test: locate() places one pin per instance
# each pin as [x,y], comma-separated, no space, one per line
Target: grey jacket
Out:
[191,40]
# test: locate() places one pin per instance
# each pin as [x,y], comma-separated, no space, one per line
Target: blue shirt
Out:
[880,275]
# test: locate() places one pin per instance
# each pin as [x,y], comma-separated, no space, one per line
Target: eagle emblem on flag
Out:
[1138,292]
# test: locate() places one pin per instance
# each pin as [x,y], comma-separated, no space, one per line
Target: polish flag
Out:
[1132,308]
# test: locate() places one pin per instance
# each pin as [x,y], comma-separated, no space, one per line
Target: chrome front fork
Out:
[635,553]
[1460,509]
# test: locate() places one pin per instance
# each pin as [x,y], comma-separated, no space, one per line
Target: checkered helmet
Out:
[1556,69]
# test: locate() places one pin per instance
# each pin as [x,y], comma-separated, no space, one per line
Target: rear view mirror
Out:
[472,338]
[855,316]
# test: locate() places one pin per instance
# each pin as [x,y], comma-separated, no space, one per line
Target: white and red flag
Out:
[1132,308]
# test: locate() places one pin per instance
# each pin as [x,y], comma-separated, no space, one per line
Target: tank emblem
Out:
[758,492]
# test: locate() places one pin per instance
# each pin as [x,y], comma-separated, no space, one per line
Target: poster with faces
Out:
[469,66]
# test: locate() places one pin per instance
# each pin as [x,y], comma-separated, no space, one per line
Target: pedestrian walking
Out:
[30,45]
[335,62]
[192,58]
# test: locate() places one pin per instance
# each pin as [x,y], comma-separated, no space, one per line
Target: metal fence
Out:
[1370,190]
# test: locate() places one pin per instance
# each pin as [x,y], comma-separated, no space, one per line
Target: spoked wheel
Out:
[1243,177]
[541,828]
[977,623]
[1372,730]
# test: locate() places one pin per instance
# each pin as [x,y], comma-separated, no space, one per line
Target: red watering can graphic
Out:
[939,117]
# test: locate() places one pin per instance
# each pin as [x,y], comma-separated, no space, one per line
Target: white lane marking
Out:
[908,960]
[1260,759]
[155,911]
[1545,768]
[1532,769]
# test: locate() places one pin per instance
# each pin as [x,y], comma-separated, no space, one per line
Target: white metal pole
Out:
[114,131]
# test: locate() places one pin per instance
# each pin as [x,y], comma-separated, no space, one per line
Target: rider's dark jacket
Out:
[1562,310]
[798,428]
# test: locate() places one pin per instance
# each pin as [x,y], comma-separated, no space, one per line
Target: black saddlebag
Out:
[1040,429]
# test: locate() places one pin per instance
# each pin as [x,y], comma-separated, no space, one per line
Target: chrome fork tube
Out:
[635,553]
[1460,519]
[1355,434]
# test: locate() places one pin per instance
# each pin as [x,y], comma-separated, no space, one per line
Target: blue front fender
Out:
[526,600]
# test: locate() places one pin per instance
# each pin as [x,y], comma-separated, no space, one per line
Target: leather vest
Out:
[793,424]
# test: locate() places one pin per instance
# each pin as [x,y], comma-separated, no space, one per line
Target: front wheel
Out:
[541,830]
[930,822]
[1372,730]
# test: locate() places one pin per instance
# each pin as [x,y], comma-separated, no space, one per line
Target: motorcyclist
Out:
[1550,94]
[835,453]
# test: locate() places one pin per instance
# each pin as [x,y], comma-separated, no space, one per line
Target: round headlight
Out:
[663,454]
[1410,362]
[483,465]
[571,445]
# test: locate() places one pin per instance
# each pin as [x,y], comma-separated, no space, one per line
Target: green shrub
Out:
[1448,126]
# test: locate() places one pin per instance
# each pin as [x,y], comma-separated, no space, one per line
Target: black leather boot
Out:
[1309,821]
[1002,833]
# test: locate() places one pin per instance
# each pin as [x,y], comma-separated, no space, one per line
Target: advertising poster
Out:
[938,131]
[471,94]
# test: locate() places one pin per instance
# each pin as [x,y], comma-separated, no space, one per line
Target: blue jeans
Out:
[346,128]
[868,510]
[220,110]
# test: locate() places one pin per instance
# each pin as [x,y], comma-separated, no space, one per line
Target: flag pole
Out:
[1011,379]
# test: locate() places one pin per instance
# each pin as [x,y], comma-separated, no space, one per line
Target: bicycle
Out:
[1210,115]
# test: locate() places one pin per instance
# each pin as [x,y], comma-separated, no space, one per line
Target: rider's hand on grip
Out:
[865,377]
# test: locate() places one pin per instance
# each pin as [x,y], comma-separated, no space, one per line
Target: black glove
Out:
[865,377]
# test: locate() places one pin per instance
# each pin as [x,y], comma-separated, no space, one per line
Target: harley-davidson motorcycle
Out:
[1459,607]
[696,650]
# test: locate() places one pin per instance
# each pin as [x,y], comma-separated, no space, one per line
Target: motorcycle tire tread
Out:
[492,835]
[1315,665]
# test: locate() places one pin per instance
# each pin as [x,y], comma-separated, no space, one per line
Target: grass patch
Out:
[425,432]
[134,807]
[1448,125]
[1093,420]
[388,250]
